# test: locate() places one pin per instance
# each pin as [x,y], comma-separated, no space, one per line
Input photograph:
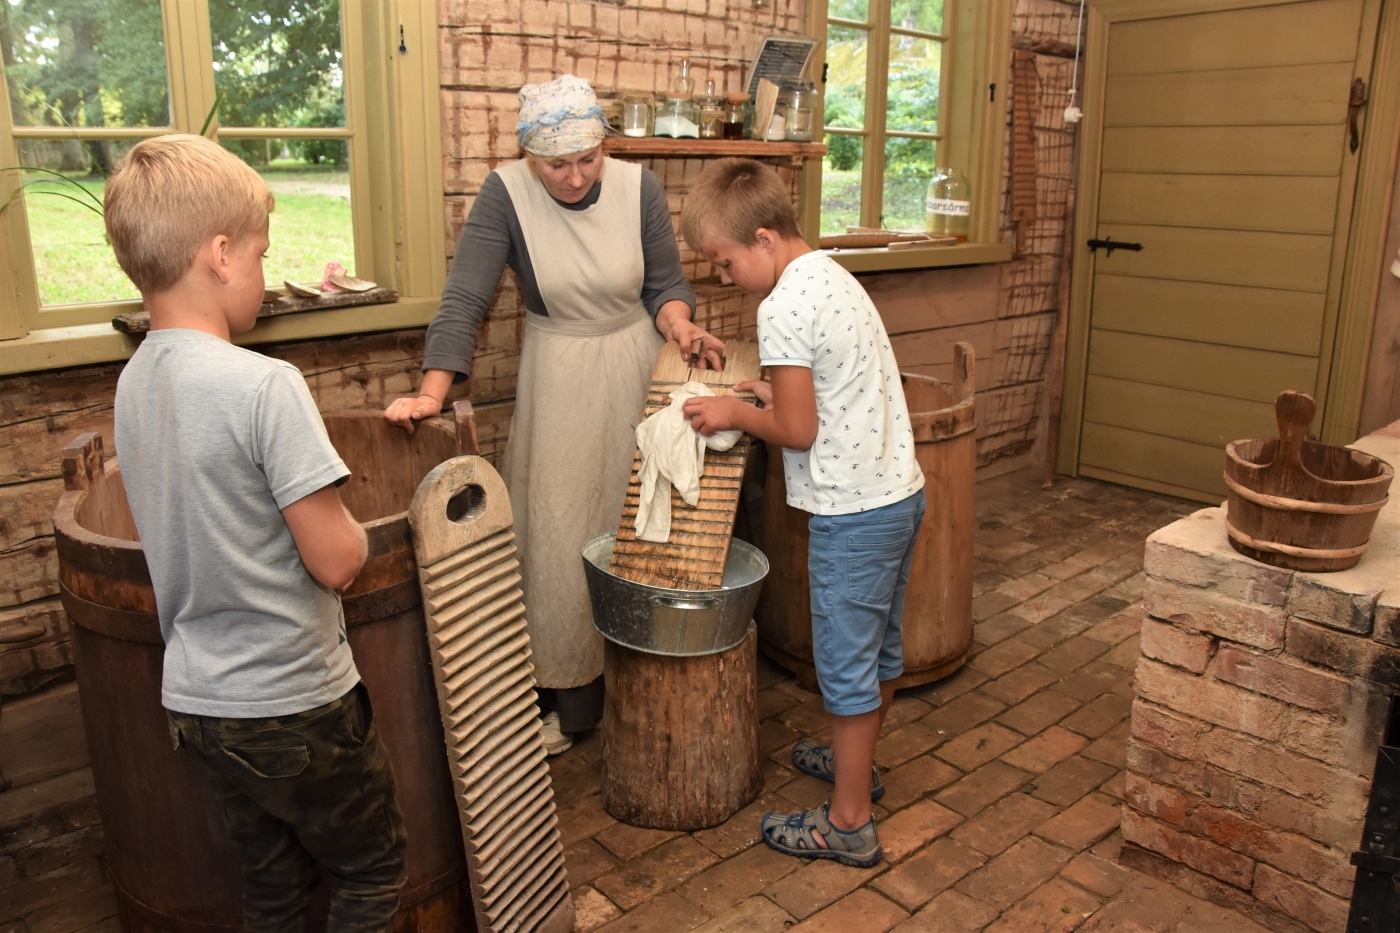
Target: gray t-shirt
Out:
[214,441]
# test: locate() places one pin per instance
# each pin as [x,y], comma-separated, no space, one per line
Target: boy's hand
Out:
[711,414]
[403,412]
[762,391]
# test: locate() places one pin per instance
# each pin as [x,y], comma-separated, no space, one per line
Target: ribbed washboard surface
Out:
[475,613]
[693,558]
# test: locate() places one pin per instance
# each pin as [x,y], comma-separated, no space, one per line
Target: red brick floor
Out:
[1004,780]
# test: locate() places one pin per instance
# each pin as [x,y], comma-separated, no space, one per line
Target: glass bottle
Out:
[636,114]
[950,205]
[711,113]
[801,112]
[733,125]
[684,85]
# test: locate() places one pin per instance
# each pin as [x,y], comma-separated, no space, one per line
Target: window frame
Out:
[393,126]
[976,57]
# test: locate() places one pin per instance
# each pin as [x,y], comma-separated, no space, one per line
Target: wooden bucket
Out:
[1298,503]
[938,600]
[170,859]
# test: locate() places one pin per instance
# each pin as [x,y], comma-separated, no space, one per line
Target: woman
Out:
[592,247]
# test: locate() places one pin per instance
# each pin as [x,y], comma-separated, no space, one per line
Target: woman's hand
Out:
[674,323]
[404,411]
[427,403]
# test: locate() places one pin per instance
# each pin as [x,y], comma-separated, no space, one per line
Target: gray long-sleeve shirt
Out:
[492,239]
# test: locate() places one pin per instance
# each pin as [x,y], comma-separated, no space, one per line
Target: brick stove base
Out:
[1261,699]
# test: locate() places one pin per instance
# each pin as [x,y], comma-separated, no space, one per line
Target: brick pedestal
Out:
[1261,696]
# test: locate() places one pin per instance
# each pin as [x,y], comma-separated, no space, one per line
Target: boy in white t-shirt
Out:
[836,407]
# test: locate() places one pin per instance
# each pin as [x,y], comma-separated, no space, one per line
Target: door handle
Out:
[1109,245]
[1354,105]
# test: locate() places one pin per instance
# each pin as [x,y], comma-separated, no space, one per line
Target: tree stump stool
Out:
[680,736]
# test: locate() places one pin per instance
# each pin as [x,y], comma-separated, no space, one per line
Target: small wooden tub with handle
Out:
[938,600]
[172,864]
[1298,503]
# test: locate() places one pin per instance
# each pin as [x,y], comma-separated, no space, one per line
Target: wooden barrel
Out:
[1300,504]
[938,600]
[170,859]
[680,736]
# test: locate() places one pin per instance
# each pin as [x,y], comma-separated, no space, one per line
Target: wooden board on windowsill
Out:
[698,148]
[139,322]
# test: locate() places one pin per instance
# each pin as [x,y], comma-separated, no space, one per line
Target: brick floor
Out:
[1004,781]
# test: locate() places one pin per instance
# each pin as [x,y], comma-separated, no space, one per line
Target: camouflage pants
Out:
[311,787]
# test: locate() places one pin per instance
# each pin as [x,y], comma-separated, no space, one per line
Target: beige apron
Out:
[581,391]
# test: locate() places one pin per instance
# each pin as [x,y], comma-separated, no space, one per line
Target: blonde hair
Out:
[169,196]
[732,199]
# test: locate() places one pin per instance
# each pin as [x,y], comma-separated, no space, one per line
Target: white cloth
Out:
[818,316]
[673,454]
[559,117]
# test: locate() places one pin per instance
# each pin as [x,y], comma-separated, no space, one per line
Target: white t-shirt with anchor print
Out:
[819,317]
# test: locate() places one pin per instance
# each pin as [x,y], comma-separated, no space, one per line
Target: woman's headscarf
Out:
[560,117]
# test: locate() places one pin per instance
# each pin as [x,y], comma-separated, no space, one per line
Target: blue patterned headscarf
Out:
[560,117]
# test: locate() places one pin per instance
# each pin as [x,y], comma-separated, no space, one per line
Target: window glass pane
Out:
[278,62]
[310,225]
[845,78]
[71,257]
[849,9]
[841,182]
[85,63]
[909,165]
[915,66]
[923,15]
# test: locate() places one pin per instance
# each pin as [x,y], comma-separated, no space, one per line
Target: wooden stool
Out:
[680,736]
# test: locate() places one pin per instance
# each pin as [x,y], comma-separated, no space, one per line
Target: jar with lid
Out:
[950,205]
[636,114]
[800,112]
[734,116]
[712,111]
[677,116]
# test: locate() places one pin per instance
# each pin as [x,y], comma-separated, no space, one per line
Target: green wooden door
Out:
[1224,152]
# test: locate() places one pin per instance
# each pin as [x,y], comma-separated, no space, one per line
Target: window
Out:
[908,89]
[284,84]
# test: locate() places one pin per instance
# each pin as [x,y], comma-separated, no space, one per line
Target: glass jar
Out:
[711,113]
[636,114]
[678,118]
[950,205]
[800,112]
[734,116]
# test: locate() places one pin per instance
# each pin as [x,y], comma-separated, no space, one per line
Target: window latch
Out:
[826,66]
[403,46]
[1109,246]
[994,93]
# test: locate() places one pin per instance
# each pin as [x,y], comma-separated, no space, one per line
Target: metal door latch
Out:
[1108,244]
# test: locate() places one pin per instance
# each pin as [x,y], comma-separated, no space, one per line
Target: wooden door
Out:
[1223,149]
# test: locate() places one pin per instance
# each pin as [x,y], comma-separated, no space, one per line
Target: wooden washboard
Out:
[693,558]
[475,614]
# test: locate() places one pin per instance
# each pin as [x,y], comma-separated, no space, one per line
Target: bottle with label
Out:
[949,205]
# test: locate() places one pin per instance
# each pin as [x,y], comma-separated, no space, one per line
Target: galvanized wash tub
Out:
[679,623]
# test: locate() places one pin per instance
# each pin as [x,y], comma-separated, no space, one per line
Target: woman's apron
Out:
[581,391]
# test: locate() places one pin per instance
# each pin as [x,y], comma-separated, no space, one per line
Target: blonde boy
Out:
[836,406]
[232,482]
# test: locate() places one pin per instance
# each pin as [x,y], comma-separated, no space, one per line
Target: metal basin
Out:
[680,623]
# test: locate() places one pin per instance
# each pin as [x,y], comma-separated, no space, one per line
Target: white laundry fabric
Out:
[673,454]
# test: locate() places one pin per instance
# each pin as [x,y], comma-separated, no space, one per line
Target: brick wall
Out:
[488,48]
[1261,698]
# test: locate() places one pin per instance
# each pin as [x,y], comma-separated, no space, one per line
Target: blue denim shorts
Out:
[858,567]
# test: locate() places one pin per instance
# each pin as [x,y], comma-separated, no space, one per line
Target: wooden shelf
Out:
[700,148]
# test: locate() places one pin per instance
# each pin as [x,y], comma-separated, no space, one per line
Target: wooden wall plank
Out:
[1229,257]
[1261,318]
[1250,96]
[1258,375]
[1280,203]
[1162,459]
[1185,415]
[1303,33]
[1224,150]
